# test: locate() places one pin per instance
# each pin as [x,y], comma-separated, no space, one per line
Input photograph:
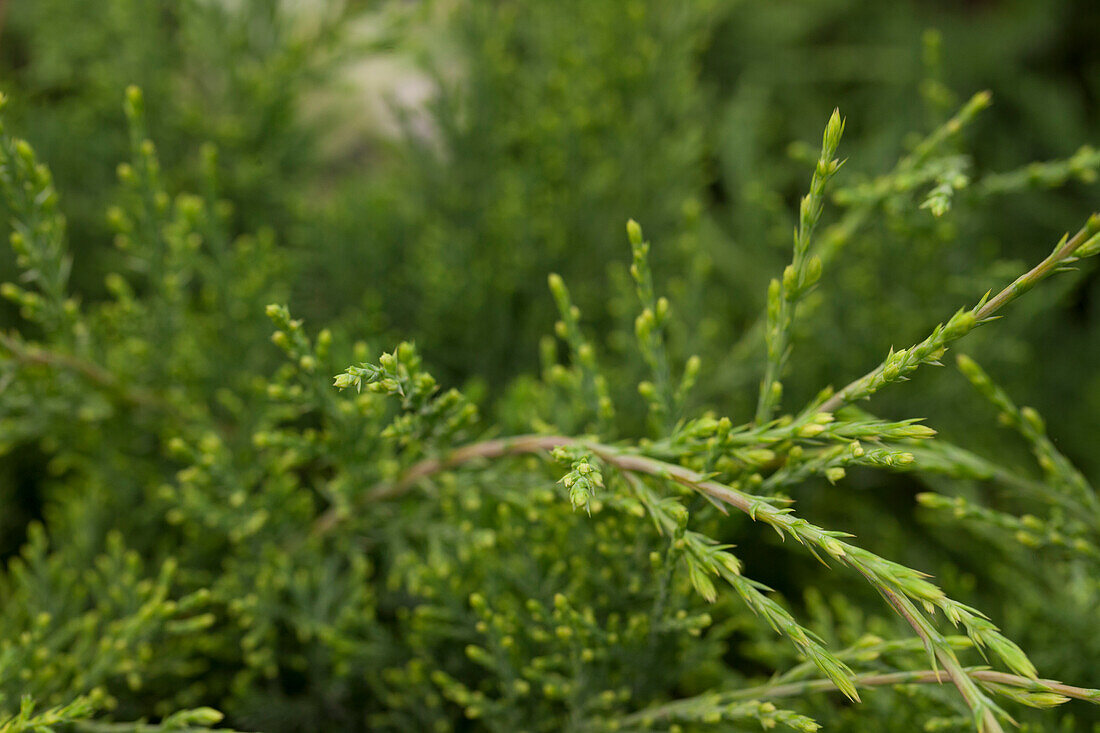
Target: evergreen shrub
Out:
[649,513]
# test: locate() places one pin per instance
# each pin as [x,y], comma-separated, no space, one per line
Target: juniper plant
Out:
[404,556]
[814,441]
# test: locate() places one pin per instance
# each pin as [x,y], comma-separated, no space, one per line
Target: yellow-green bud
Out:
[11,291]
[24,150]
[557,285]
[813,271]
[790,280]
[662,309]
[1033,418]
[811,430]
[833,131]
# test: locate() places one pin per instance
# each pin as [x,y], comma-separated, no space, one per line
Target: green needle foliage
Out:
[229,527]
[801,275]
[282,561]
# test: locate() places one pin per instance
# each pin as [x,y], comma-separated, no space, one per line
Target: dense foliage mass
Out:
[626,502]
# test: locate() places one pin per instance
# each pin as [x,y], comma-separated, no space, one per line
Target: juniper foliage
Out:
[220,534]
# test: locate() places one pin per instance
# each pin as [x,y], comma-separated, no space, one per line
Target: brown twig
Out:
[97,375]
[874,679]
[537,444]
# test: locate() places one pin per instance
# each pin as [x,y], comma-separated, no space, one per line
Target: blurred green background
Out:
[425,165]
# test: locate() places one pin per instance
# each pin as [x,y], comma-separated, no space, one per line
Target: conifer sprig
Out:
[649,329]
[799,276]
[591,384]
[912,171]
[1060,473]
[899,364]
[584,478]
[38,238]
[1081,166]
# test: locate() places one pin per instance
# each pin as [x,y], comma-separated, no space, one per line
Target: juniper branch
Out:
[799,276]
[898,365]
[649,328]
[1082,165]
[1026,420]
[899,585]
[97,375]
[908,173]
[981,707]
[773,691]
